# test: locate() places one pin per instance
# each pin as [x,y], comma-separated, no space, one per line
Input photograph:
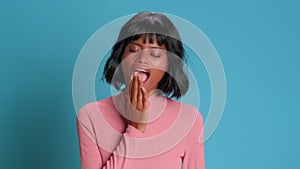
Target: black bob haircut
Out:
[152,25]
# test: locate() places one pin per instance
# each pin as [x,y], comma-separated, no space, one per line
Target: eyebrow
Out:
[153,47]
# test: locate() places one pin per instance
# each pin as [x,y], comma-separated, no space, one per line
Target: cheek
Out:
[160,68]
[127,62]
[126,65]
[158,73]
[161,65]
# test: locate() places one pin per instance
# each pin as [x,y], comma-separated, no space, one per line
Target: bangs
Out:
[160,39]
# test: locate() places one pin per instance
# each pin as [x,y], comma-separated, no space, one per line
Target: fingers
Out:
[138,101]
[138,95]
[129,88]
[134,91]
[145,99]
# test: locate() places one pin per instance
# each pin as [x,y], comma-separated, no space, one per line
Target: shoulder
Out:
[185,108]
[90,110]
[190,120]
[190,114]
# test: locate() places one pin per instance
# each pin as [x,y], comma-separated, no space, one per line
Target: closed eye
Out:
[155,55]
[132,50]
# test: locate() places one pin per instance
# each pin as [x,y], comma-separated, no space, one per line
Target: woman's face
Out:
[147,60]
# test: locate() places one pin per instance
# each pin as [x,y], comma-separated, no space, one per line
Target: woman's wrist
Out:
[139,126]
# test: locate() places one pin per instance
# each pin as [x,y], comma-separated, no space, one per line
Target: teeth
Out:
[141,70]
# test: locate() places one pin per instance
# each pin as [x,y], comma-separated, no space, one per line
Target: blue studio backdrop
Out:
[257,42]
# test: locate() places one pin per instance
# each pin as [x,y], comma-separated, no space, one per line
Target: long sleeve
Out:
[194,153]
[90,155]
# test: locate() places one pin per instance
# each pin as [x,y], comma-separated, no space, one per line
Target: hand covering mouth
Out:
[143,74]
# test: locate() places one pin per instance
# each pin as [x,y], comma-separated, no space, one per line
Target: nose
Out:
[142,58]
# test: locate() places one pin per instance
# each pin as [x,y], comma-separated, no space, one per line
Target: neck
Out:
[152,92]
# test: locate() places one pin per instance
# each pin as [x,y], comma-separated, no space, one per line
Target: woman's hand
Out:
[137,104]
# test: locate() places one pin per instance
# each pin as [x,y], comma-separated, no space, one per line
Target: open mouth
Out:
[143,74]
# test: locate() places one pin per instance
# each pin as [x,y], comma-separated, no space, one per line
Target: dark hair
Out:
[152,25]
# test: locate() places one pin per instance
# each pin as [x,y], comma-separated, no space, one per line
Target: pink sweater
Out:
[171,140]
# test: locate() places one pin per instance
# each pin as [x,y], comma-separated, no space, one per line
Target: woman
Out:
[142,127]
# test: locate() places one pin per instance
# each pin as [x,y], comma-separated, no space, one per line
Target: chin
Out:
[149,88]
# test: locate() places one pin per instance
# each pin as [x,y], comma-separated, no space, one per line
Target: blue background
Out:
[258,43]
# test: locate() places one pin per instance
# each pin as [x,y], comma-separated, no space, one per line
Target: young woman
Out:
[142,127]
